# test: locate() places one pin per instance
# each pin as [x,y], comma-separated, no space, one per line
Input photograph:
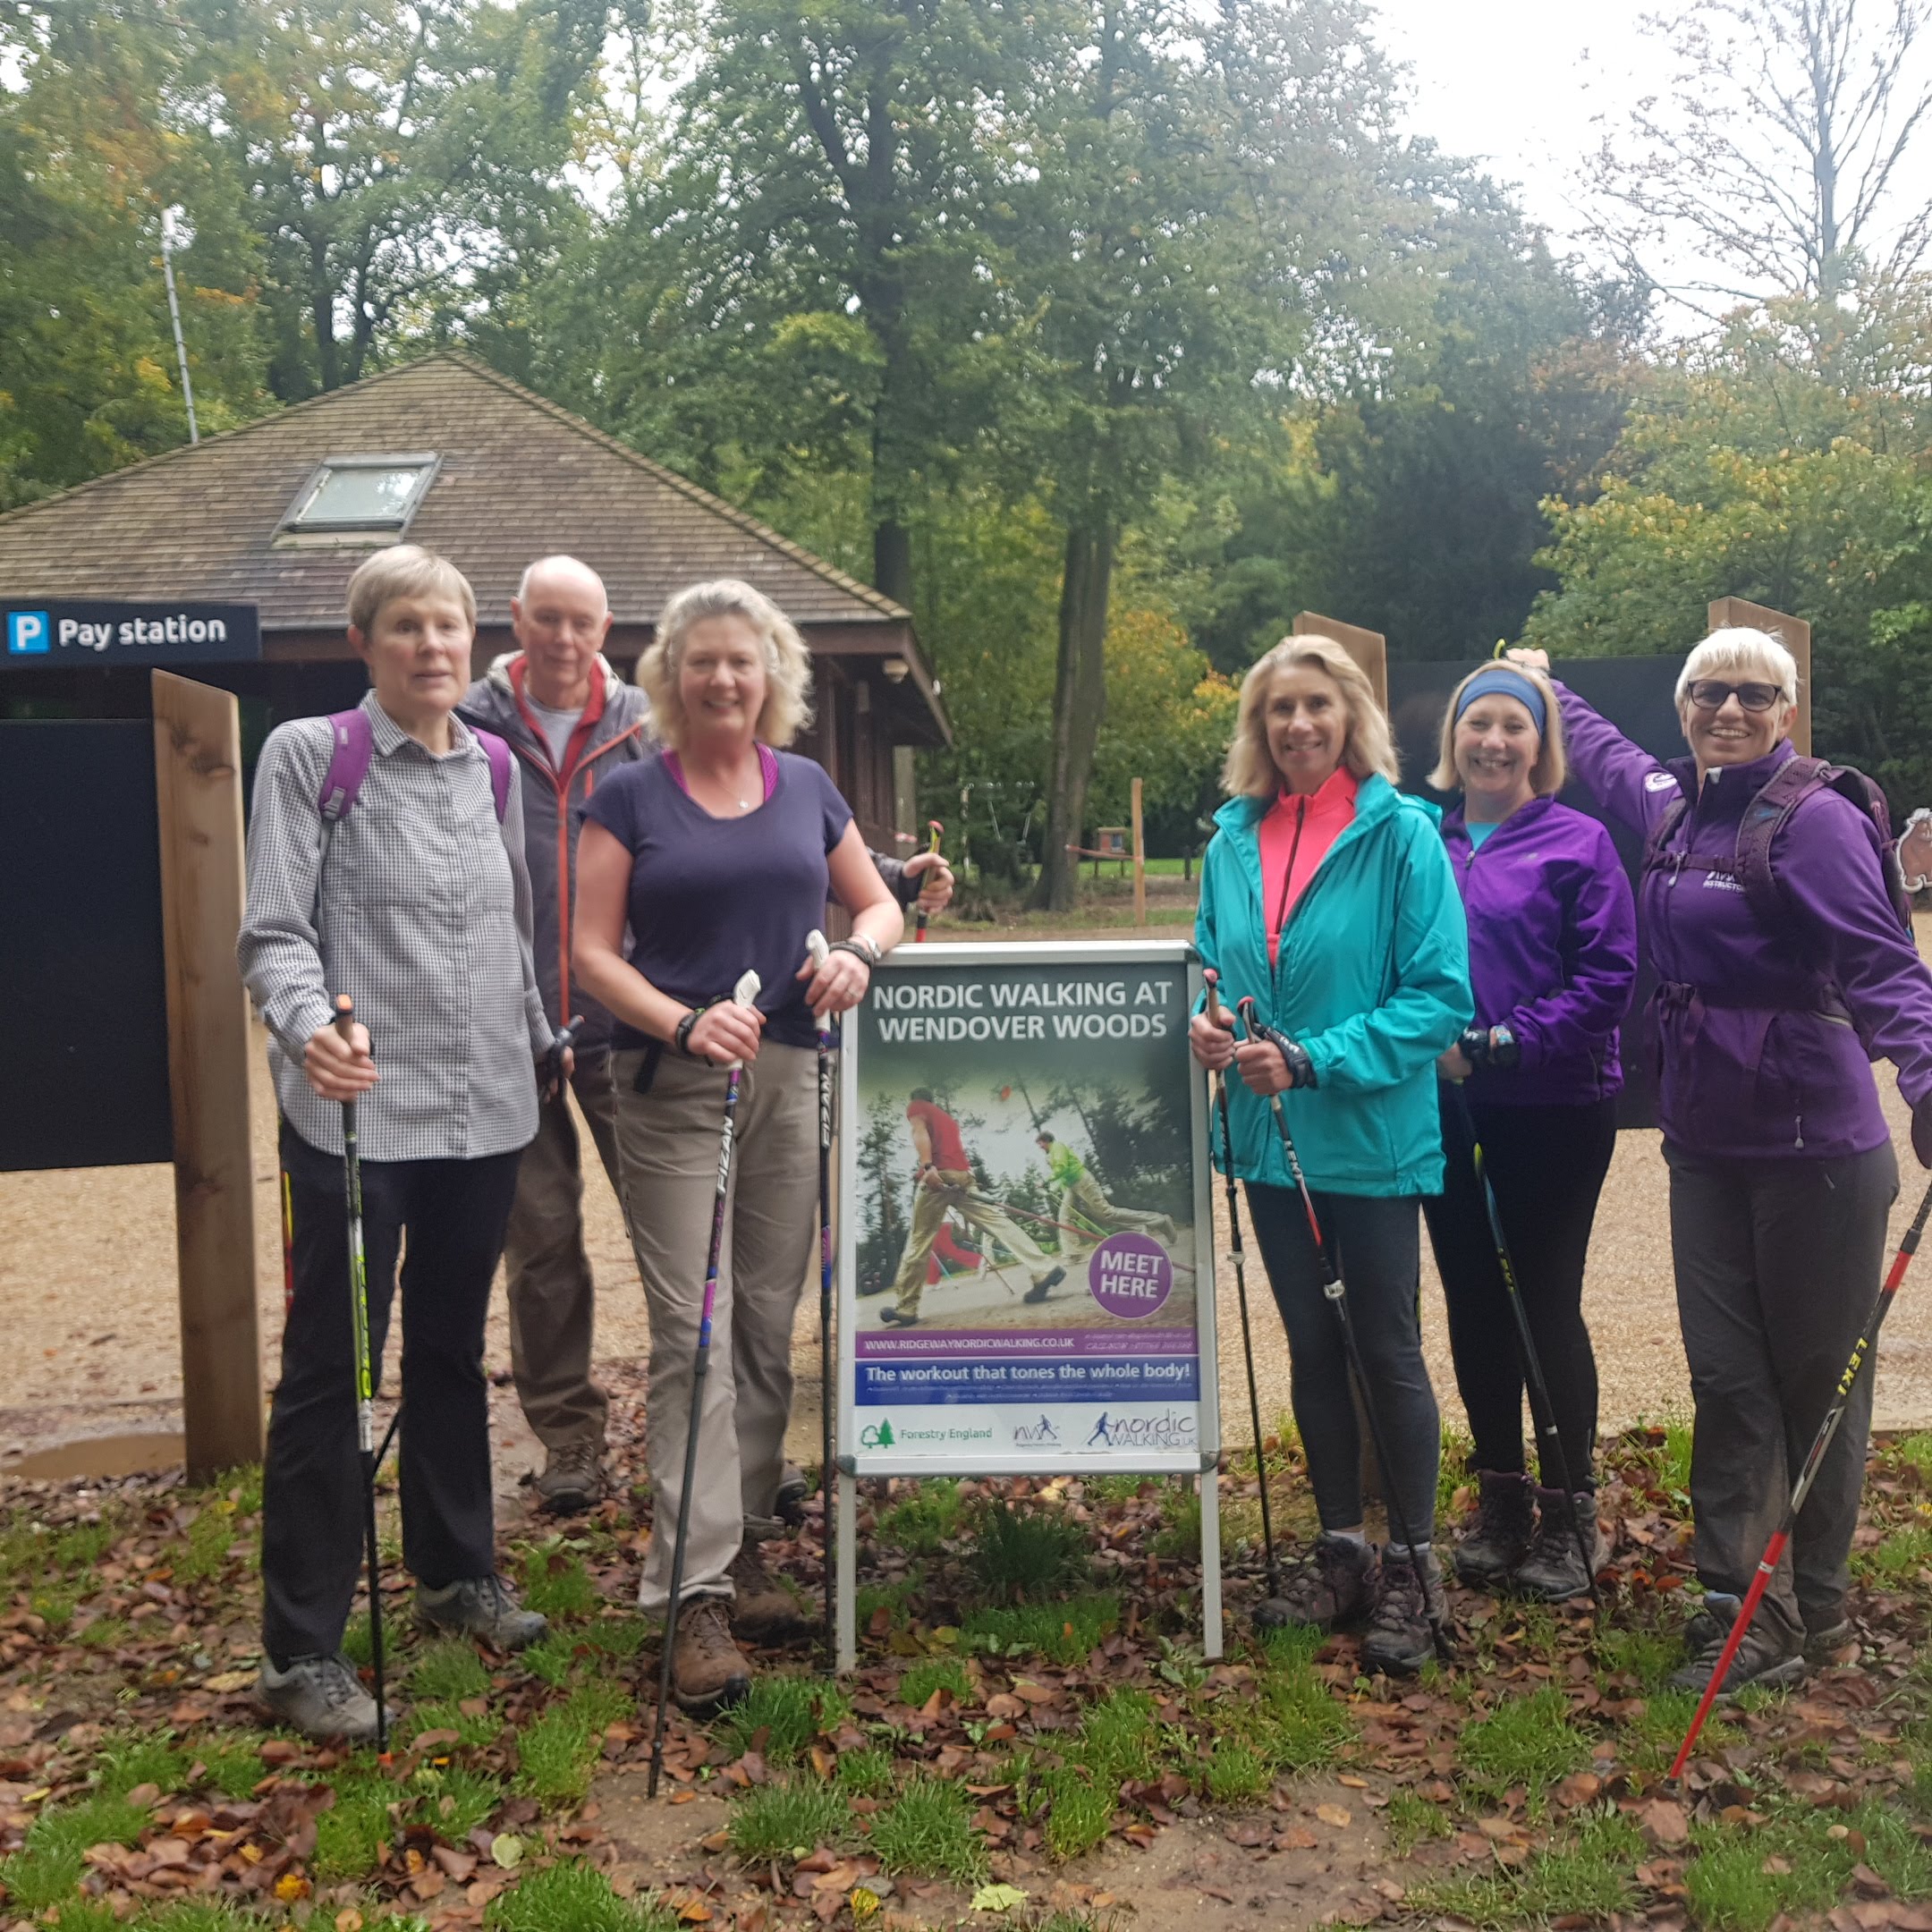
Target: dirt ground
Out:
[87,1295]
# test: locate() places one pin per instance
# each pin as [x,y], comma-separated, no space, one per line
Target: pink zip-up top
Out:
[1295,836]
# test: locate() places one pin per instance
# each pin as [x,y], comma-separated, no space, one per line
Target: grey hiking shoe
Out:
[1410,1608]
[1330,1583]
[1491,1547]
[480,1607]
[572,1478]
[1765,1658]
[319,1696]
[1552,1571]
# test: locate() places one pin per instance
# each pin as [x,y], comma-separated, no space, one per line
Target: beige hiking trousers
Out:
[668,1140]
[986,1216]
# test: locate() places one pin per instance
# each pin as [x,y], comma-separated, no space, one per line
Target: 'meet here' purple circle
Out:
[1130,1275]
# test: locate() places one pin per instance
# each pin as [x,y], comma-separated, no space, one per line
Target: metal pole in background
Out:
[181,347]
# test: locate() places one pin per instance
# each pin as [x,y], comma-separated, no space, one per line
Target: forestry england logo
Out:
[876,1434]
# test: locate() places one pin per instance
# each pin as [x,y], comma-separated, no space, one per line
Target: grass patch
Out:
[1588,1873]
[1410,1819]
[447,1670]
[556,1583]
[1178,1538]
[866,1773]
[787,1819]
[784,1709]
[48,1867]
[140,1757]
[106,1634]
[351,1835]
[186,1915]
[928,1832]
[1649,1655]
[1118,1738]
[1916,1453]
[455,1800]
[559,1752]
[1899,1559]
[919,1523]
[1528,1742]
[55,1604]
[210,1536]
[1080,1811]
[84,1545]
[1291,1722]
[1236,1773]
[473,1731]
[572,1897]
[894,1598]
[935,1674]
[231,1765]
[1022,1556]
[1062,1634]
[1650,1743]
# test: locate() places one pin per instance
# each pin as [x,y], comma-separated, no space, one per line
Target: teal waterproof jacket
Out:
[1372,980]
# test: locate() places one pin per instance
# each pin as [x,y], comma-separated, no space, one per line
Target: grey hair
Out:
[558,556]
[1740,648]
[788,674]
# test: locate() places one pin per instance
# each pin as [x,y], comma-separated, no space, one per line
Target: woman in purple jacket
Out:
[1773,994]
[1553,962]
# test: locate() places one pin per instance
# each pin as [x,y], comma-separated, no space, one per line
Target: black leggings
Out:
[1547,1165]
[1376,1246]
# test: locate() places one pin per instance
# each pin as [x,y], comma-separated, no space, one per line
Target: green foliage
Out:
[558,1753]
[140,1757]
[556,1584]
[1118,1739]
[190,1915]
[210,1537]
[1023,1555]
[1902,1556]
[1080,1811]
[455,1800]
[1235,1773]
[1062,1632]
[1292,1721]
[921,1679]
[894,1598]
[787,1818]
[1586,1871]
[351,1835]
[48,1865]
[1178,1538]
[866,1773]
[1915,1452]
[926,1831]
[572,1897]
[84,1545]
[921,1523]
[234,1766]
[784,1709]
[472,1732]
[1409,1819]
[1650,1741]
[1527,1741]
[447,1670]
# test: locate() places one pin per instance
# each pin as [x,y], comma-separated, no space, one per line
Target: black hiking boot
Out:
[1767,1656]
[1330,1583]
[1488,1551]
[1552,1571]
[1410,1608]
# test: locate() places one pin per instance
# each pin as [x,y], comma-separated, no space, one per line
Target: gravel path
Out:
[86,1293]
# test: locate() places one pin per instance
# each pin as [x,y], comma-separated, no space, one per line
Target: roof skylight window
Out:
[372,496]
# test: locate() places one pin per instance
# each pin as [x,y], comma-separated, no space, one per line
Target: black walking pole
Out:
[818,951]
[1271,1612]
[1550,1457]
[744,993]
[365,1378]
[1337,1299]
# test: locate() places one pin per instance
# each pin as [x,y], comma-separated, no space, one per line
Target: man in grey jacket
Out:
[572,721]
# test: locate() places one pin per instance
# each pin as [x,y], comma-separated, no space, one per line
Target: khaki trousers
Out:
[1086,1196]
[929,1207]
[668,1140]
[552,1300]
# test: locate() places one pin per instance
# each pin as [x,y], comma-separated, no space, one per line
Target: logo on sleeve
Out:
[1658,780]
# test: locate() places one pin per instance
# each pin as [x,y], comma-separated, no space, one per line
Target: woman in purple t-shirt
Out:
[718,854]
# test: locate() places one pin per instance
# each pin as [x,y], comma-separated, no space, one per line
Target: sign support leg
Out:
[846,1575]
[1210,1560]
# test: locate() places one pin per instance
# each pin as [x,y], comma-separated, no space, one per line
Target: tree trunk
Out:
[892,561]
[1080,698]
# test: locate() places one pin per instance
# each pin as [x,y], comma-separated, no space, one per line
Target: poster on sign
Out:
[1026,1260]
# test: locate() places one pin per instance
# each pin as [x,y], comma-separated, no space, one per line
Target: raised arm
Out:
[1629,784]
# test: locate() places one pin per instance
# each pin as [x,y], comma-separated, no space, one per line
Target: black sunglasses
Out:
[1709,694]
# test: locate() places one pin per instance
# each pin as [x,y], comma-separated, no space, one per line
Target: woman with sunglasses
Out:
[1781,1166]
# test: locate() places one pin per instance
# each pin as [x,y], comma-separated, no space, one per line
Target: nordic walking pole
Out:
[935,832]
[1337,1297]
[1213,981]
[743,993]
[1550,1457]
[365,1378]
[818,952]
[1775,1549]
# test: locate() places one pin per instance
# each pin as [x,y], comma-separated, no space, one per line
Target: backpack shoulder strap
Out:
[1660,828]
[1795,781]
[503,767]
[351,745]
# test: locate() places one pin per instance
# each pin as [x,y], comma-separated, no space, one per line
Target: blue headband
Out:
[1501,680]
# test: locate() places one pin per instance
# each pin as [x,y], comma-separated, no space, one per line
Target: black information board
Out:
[41,633]
[83,990]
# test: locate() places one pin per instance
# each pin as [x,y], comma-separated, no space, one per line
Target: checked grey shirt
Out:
[416,904]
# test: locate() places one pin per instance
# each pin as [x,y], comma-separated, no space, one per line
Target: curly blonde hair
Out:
[1367,746]
[788,674]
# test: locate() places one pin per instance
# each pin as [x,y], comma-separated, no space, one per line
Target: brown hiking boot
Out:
[763,1610]
[708,1669]
[1332,1584]
[572,1478]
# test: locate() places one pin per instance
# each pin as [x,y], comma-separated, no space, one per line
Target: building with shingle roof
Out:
[447,453]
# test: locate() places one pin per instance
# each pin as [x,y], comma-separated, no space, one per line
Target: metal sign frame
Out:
[1200,1459]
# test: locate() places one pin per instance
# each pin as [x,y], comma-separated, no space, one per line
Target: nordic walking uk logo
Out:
[28,633]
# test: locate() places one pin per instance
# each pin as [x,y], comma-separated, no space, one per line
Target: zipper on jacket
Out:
[1281,911]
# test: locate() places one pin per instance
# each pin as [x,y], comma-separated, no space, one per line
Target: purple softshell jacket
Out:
[1553,951]
[1751,1063]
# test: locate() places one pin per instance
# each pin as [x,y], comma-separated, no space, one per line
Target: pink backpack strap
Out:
[352,746]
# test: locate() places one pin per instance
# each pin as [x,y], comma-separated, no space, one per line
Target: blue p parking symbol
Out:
[27,632]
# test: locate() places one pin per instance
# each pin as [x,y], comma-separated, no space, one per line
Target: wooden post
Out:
[1368,648]
[1792,632]
[197,785]
[1140,862]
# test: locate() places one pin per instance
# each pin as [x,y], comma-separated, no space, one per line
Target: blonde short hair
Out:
[788,674]
[405,571]
[1735,650]
[1367,746]
[1549,774]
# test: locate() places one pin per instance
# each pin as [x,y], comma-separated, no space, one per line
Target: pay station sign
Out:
[45,632]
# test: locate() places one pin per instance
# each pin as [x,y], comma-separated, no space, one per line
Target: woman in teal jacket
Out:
[1326,897]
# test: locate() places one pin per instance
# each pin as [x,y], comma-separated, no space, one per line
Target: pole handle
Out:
[345,1014]
[744,994]
[1211,979]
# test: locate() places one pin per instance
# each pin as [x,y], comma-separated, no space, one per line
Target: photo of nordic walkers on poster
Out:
[1026,1280]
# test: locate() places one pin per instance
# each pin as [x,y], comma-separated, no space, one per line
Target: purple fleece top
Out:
[1553,951]
[1749,1067]
[711,897]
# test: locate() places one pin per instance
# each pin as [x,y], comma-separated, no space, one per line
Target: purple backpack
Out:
[353,745]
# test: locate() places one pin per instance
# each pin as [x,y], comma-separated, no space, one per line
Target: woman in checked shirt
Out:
[415,902]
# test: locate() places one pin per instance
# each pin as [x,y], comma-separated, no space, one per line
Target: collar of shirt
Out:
[391,738]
